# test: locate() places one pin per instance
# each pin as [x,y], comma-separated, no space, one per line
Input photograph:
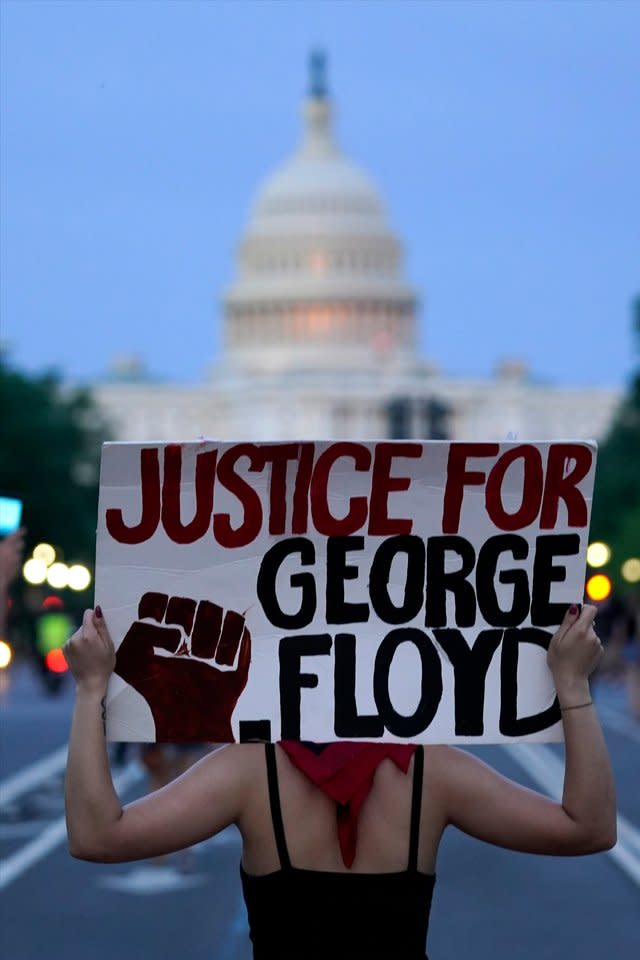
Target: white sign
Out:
[383,591]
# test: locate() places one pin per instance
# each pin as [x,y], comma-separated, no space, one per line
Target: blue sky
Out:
[504,137]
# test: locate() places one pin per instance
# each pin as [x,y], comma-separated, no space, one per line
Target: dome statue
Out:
[319,282]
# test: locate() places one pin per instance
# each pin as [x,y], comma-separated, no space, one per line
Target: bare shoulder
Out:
[442,762]
[229,774]
[239,761]
[450,772]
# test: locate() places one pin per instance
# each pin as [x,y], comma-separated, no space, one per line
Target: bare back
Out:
[309,818]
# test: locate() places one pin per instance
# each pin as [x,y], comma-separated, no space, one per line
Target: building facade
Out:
[320,332]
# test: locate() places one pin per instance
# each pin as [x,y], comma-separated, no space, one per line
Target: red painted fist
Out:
[183,665]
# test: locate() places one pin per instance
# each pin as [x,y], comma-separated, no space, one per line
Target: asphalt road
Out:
[488,903]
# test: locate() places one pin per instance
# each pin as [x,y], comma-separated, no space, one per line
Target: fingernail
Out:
[99,612]
[573,609]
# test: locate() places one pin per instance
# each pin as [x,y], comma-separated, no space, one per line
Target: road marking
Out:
[149,879]
[613,720]
[547,770]
[15,865]
[32,776]
[20,829]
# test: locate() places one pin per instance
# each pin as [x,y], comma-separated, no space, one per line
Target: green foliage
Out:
[616,504]
[50,440]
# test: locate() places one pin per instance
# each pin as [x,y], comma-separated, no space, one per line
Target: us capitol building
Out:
[320,332]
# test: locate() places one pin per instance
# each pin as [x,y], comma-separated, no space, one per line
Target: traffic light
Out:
[52,628]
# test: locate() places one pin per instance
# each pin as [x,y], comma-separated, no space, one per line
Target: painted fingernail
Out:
[573,609]
[99,612]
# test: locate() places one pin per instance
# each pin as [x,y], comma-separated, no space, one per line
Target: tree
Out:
[616,503]
[50,442]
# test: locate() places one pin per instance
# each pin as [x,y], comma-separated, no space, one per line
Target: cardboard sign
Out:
[382,591]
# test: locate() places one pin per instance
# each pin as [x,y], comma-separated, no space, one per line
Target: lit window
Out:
[318,262]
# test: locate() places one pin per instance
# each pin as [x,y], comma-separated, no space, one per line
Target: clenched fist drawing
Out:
[190,661]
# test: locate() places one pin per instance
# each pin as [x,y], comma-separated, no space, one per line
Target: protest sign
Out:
[384,591]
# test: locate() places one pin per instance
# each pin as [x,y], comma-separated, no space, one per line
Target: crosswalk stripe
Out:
[15,865]
[32,776]
[613,720]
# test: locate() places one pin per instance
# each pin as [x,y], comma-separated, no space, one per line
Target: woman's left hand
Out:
[90,653]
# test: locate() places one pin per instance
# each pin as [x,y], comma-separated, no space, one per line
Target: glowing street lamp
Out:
[598,587]
[58,576]
[45,552]
[598,554]
[630,570]
[79,577]
[5,654]
[35,571]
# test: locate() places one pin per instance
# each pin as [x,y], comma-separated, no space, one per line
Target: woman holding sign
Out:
[361,887]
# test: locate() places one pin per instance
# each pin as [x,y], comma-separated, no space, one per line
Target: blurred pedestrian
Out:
[632,654]
[11,551]
[339,841]
[613,625]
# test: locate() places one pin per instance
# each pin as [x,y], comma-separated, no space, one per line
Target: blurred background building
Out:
[320,331]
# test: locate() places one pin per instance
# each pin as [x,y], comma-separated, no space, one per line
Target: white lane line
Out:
[21,829]
[148,879]
[613,720]
[15,865]
[547,770]
[32,776]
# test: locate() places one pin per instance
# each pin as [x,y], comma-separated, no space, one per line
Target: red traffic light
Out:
[55,661]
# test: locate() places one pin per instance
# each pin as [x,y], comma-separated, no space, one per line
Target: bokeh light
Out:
[45,552]
[79,577]
[58,576]
[630,570]
[598,587]
[598,554]
[6,655]
[35,571]
[52,603]
[56,662]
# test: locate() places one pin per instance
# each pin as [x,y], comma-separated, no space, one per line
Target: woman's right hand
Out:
[90,653]
[575,649]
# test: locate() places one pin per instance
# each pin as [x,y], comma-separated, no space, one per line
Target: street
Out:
[488,902]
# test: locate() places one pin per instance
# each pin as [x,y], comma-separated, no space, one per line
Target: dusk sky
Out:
[504,137]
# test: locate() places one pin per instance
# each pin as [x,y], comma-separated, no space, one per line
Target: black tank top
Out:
[319,915]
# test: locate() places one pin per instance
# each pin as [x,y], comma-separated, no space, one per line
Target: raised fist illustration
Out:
[190,661]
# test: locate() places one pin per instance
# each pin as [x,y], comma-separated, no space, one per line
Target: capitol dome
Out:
[318,182]
[319,327]
[319,281]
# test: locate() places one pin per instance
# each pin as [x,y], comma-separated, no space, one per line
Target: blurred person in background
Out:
[11,551]
[339,841]
[631,653]
[619,629]
[613,628]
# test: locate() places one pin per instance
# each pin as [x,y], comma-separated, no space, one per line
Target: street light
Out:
[79,577]
[35,571]
[58,576]
[45,552]
[630,570]
[598,587]
[598,554]
[5,654]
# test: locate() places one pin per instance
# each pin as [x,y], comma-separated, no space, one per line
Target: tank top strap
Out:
[274,801]
[416,803]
